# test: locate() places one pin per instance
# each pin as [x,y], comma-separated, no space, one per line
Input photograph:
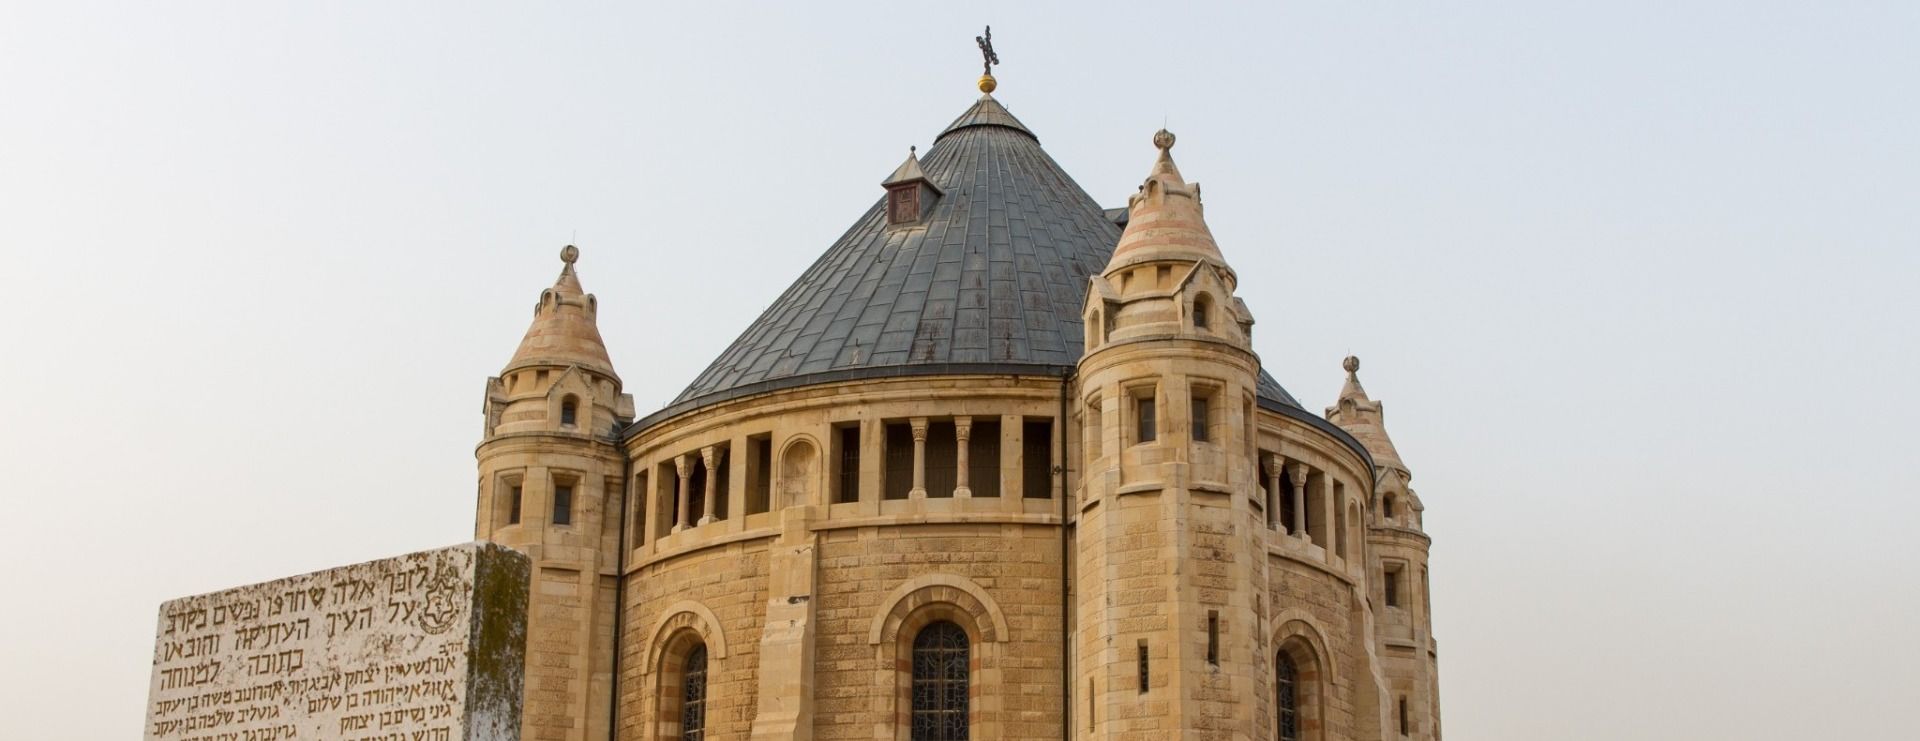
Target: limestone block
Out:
[428,646]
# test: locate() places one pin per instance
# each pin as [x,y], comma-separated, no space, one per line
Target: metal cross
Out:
[986,50]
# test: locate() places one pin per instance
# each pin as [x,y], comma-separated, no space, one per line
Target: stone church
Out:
[1002,464]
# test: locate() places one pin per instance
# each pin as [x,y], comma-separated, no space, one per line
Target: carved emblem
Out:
[446,601]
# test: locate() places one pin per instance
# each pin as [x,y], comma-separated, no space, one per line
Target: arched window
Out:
[693,695]
[940,659]
[1386,507]
[1202,306]
[1287,703]
[569,411]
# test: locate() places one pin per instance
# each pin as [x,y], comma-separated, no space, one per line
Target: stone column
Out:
[919,490]
[710,457]
[737,479]
[683,465]
[1329,516]
[1273,492]
[1299,471]
[873,460]
[962,430]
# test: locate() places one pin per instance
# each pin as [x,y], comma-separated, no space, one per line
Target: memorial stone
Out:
[429,646]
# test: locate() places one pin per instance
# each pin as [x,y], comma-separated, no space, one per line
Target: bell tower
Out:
[551,470]
[1169,550]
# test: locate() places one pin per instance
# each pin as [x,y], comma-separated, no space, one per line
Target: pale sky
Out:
[1636,281]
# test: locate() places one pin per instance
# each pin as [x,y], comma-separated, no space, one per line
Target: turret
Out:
[1170,548]
[551,471]
[1396,568]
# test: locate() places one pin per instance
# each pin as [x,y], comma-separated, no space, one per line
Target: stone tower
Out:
[1397,570]
[551,471]
[1170,560]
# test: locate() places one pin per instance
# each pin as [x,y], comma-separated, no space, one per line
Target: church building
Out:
[1002,464]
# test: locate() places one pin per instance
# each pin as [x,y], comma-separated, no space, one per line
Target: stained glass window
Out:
[693,696]
[940,657]
[1285,682]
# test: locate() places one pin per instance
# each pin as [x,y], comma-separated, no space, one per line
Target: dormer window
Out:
[903,205]
[909,192]
[569,412]
[1202,306]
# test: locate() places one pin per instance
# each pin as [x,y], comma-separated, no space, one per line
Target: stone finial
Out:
[569,254]
[1163,139]
[1352,364]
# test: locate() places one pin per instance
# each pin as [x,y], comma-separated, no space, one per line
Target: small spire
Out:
[1364,418]
[569,282]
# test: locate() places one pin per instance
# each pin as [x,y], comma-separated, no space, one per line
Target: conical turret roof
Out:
[564,330]
[1364,418]
[1165,220]
[990,281]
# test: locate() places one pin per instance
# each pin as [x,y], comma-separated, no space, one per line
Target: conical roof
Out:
[1165,220]
[1364,418]
[990,281]
[564,330]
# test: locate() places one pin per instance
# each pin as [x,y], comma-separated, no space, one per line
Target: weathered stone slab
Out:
[429,646]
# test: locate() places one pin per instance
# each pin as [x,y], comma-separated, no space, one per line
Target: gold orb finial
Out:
[987,84]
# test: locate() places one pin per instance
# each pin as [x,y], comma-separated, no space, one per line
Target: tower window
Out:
[983,459]
[899,459]
[1390,586]
[1143,415]
[1213,637]
[1145,675]
[941,658]
[1201,418]
[1202,306]
[1403,716]
[760,483]
[943,459]
[563,505]
[513,506]
[1036,458]
[1386,507]
[569,411]
[849,479]
[693,696]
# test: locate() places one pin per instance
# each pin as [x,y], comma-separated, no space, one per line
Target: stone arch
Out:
[1301,640]
[988,621]
[679,618]
[798,468]
[917,604]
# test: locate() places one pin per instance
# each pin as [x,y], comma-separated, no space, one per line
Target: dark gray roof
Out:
[990,282]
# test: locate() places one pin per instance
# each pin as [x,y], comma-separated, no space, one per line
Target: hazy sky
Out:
[1636,281]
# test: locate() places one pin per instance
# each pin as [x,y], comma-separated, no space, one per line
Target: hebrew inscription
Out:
[424,647]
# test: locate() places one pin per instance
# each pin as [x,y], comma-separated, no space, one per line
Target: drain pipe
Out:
[1066,599]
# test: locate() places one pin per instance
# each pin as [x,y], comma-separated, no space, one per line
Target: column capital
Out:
[962,428]
[711,455]
[1272,460]
[919,425]
[1300,472]
[683,465]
